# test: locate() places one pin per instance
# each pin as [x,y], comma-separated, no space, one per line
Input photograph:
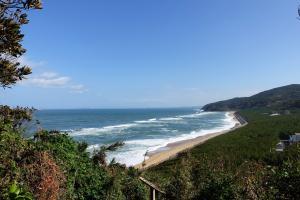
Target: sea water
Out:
[142,130]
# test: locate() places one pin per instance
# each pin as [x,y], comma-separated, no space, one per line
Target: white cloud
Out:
[54,80]
[24,60]
[49,79]
[58,81]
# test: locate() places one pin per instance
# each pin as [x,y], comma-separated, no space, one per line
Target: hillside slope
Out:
[281,98]
[242,164]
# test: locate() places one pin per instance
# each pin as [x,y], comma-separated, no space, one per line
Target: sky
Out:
[156,53]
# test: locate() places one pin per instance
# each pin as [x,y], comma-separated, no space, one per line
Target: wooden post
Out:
[152,194]
[153,188]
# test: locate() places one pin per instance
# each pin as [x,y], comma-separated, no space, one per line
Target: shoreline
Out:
[172,149]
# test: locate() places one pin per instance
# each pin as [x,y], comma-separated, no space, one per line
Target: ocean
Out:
[141,130]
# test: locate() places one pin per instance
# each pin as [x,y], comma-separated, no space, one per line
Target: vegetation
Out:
[12,17]
[279,99]
[240,165]
[51,165]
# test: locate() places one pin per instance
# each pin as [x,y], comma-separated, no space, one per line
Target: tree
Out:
[284,135]
[15,117]
[12,17]
[99,156]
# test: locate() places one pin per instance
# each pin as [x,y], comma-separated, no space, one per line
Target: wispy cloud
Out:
[54,80]
[48,79]
[78,89]
[24,60]
[49,75]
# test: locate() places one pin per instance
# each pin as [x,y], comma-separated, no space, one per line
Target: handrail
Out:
[151,185]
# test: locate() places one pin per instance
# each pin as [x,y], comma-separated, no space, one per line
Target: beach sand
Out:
[173,149]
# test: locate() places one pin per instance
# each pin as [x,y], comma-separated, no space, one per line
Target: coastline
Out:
[172,149]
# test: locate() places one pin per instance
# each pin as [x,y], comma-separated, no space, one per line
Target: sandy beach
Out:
[173,149]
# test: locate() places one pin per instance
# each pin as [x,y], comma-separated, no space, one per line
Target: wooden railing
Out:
[154,190]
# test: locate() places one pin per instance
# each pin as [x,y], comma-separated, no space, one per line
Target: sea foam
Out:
[105,129]
[153,120]
[134,150]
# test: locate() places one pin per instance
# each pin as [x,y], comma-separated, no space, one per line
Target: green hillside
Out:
[242,164]
[282,98]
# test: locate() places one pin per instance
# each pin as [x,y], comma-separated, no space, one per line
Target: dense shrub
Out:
[54,166]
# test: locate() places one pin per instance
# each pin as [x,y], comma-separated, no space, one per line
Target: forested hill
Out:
[282,98]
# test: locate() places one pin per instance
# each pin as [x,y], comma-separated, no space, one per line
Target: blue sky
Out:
[156,53]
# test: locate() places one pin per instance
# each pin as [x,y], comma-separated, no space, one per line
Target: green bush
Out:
[72,173]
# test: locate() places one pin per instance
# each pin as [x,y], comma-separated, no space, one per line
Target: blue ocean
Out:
[141,130]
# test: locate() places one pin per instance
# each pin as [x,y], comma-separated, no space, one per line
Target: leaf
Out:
[14,189]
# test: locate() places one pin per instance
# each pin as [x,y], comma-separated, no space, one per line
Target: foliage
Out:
[181,183]
[282,98]
[284,135]
[99,156]
[134,188]
[43,176]
[285,176]
[242,164]
[16,193]
[12,17]
[52,165]
[15,116]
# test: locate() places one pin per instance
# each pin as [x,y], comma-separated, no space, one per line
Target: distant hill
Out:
[286,97]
